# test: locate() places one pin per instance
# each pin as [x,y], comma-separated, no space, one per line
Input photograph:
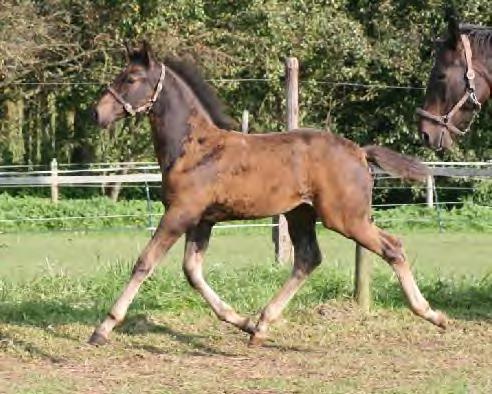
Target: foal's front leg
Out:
[196,245]
[172,225]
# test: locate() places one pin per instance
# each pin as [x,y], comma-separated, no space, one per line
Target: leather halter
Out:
[149,104]
[470,94]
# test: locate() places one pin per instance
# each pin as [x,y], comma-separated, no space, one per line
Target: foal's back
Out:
[238,175]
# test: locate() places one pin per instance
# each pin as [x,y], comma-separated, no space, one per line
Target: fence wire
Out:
[352,84]
[382,182]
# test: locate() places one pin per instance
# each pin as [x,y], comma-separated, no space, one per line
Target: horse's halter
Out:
[470,94]
[149,104]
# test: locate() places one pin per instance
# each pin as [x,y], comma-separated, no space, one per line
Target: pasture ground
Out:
[54,287]
[24,255]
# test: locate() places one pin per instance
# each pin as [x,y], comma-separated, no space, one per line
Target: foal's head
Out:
[134,90]
[457,86]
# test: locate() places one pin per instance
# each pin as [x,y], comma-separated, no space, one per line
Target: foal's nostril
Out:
[426,137]
[95,115]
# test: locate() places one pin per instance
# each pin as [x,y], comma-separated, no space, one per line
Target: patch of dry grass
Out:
[332,348]
[171,342]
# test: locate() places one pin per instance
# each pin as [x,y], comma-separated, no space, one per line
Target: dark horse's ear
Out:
[453,26]
[128,51]
[148,56]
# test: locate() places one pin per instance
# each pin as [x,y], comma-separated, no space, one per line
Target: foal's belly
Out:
[257,194]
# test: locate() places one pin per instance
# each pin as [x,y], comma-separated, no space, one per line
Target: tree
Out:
[69,50]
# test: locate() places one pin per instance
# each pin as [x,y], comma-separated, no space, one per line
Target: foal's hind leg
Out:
[390,249]
[307,257]
[196,245]
[172,225]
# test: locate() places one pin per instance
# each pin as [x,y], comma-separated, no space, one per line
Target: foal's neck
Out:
[170,118]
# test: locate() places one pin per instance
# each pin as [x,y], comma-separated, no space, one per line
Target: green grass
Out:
[100,213]
[54,287]
[27,255]
[89,269]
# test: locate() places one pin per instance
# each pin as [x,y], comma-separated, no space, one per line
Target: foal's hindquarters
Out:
[303,174]
[342,194]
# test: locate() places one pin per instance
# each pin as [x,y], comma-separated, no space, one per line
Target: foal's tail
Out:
[397,164]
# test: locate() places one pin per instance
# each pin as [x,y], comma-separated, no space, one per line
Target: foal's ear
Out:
[453,26]
[148,56]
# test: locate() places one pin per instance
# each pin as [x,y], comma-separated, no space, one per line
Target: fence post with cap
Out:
[54,180]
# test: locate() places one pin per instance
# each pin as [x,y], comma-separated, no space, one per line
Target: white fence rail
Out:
[148,172]
[145,173]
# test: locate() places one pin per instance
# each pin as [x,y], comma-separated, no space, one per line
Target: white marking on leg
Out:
[119,309]
[157,246]
[417,301]
[192,265]
[390,248]
[277,304]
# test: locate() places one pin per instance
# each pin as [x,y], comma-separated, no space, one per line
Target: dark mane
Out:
[480,36]
[203,91]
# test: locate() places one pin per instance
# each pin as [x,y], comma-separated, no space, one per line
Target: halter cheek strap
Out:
[470,94]
[149,104]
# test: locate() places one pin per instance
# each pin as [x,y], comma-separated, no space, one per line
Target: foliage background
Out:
[57,55]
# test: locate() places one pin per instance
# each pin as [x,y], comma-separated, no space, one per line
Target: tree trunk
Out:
[13,142]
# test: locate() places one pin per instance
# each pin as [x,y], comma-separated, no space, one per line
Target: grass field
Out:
[54,287]
[25,255]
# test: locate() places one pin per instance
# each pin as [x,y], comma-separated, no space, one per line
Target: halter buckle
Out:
[475,101]
[128,108]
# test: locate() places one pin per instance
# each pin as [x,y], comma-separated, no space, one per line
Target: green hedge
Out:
[30,213]
[465,218]
[38,214]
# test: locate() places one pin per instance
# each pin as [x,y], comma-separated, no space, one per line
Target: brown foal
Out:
[211,174]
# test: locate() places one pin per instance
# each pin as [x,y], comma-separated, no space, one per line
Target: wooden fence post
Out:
[430,191]
[54,181]
[245,122]
[283,245]
[363,268]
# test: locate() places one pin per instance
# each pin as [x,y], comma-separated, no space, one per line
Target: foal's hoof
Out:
[441,320]
[249,327]
[97,339]
[437,318]
[256,340]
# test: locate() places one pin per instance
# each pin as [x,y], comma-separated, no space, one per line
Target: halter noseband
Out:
[149,104]
[470,94]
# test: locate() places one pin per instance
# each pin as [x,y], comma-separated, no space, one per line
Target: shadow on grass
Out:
[140,324]
[87,303]
[7,340]
[292,348]
[462,299]
[45,314]
[473,303]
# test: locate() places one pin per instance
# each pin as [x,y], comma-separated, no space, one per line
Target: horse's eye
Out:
[131,79]
[441,76]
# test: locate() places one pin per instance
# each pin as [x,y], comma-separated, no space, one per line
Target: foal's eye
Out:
[131,79]
[441,76]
